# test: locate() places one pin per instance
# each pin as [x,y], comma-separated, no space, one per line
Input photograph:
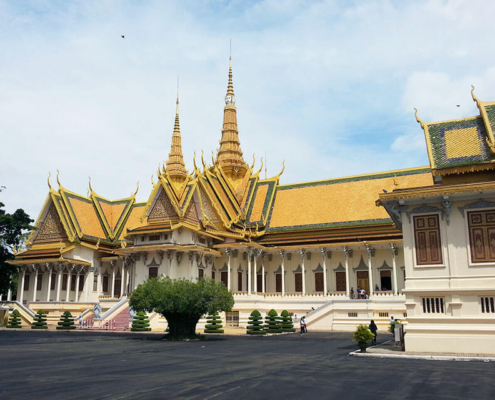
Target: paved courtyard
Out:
[89,365]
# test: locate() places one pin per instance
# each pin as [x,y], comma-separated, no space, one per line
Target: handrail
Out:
[80,316]
[23,307]
[111,310]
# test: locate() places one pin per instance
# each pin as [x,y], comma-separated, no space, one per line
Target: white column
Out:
[394,267]
[302,252]
[70,268]
[122,279]
[112,264]
[9,292]
[256,254]
[88,281]
[346,257]
[20,290]
[370,252]
[59,280]
[249,255]
[35,269]
[78,272]
[324,264]
[263,284]
[99,284]
[48,289]
[282,256]
[229,254]
[127,280]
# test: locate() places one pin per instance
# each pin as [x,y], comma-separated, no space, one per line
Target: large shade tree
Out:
[181,302]
[12,228]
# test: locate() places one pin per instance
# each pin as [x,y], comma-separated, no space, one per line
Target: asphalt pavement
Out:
[92,365]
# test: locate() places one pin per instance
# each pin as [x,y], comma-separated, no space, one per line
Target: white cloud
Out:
[327,86]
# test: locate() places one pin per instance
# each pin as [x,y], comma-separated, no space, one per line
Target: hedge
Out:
[214,324]
[15,320]
[255,324]
[286,322]
[39,321]
[272,322]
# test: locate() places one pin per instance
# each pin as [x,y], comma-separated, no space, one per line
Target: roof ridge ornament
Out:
[420,121]
[475,99]
[48,180]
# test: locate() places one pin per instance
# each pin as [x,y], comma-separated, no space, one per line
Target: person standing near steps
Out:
[303,325]
[373,328]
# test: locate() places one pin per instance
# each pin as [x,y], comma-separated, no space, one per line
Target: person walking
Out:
[373,328]
[303,325]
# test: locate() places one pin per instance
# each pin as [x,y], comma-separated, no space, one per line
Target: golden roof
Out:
[176,168]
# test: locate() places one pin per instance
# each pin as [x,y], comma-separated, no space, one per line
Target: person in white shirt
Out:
[303,325]
[392,319]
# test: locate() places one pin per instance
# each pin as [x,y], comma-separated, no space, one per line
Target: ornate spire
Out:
[230,154]
[176,168]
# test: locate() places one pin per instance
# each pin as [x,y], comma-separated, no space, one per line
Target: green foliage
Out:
[66,322]
[39,321]
[15,320]
[140,322]
[181,301]
[286,322]
[12,228]
[255,324]
[214,324]
[272,322]
[391,328]
[363,335]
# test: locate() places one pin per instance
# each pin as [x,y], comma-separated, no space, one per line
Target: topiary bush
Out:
[272,322]
[140,322]
[15,320]
[255,324]
[66,322]
[214,324]
[39,321]
[363,335]
[286,322]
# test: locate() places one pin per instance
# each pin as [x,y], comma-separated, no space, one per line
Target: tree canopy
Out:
[12,227]
[181,302]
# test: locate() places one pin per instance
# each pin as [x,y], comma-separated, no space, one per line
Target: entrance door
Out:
[224,276]
[116,290]
[232,318]
[278,283]
[363,281]
[259,282]
[318,281]
[385,280]
[298,277]
[340,280]
[239,281]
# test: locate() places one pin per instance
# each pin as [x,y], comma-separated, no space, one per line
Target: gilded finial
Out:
[283,169]
[49,184]
[203,160]
[137,190]
[261,168]
[158,174]
[475,99]
[194,162]
[90,188]
[58,180]
[152,182]
[212,158]
[98,243]
[254,160]
[417,118]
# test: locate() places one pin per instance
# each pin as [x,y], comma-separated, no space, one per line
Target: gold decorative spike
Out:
[176,167]
[137,190]
[152,182]
[229,156]
[261,168]
[49,184]
[417,118]
[98,244]
[203,160]
[254,160]
[475,99]
[90,188]
[158,174]
[58,180]
[283,169]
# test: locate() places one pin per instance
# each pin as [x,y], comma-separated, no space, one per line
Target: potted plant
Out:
[363,335]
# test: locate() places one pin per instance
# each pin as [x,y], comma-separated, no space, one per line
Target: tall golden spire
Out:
[230,154]
[176,168]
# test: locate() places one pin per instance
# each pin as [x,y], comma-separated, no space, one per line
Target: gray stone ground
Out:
[90,365]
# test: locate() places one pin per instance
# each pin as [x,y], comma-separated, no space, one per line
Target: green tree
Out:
[255,324]
[15,320]
[66,322]
[213,323]
[181,302]
[140,322]
[286,322]
[12,230]
[39,321]
[272,322]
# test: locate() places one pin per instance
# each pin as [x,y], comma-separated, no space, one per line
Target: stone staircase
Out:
[123,320]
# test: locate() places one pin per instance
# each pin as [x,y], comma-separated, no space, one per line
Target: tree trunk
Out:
[182,325]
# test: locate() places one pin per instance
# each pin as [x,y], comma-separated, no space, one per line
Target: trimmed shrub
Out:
[15,320]
[255,324]
[214,324]
[140,322]
[39,321]
[286,322]
[66,322]
[363,335]
[272,322]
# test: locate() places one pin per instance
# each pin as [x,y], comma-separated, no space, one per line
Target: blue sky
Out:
[329,86]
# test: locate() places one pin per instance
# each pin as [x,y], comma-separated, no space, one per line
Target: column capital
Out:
[370,250]
[59,267]
[281,253]
[302,252]
[23,269]
[250,251]
[394,249]
[71,267]
[79,269]
[35,267]
[113,263]
[228,251]
[178,256]
[323,252]
[257,252]
[49,266]
[347,252]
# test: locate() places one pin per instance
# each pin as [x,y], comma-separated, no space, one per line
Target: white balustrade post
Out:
[394,267]
[9,292]
[70,269]
[20,289]
[249,254]
[263,284]
[324,262]
[60,268]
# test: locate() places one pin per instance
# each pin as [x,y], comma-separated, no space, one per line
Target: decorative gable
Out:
[163,208]
[51,229]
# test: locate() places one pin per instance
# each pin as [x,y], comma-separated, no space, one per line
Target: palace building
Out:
[298,247]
